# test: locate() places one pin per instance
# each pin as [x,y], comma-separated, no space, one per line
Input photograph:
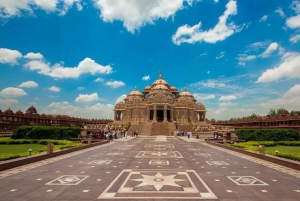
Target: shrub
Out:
[45,132]
[268,134]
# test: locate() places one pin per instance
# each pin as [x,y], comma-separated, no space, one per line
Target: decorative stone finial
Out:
[160,75]
[135,88]
[184,89]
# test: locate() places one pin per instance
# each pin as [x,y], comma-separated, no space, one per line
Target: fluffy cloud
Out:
[80,88]
[115,84]
[227,98]
[54,89]
[93,111]
[121,98]
[137,13]
[12,92]
[28,84]
[296,6]
[295,38]
[293,22]
[99,80]
[227,104]
[272,47]
[10,8]
[5,103]
[200,97]
[58,71]
[280,12]
[32,55]
[146,78]
[222,54]
[222,30]
[86,98]
[290,67]
[8,56]
[263,18]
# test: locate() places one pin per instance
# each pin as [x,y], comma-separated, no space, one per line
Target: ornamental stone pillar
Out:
[204,119]
[115,117]
[171,113]
[165,113]
[154,113]
[148,113]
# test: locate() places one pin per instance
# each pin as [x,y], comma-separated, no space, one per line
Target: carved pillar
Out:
[154,113]
[171,114]
[165,113]
[115,118]
[204,113]
[148,113]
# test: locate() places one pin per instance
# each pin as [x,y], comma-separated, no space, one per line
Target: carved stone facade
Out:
[160,102]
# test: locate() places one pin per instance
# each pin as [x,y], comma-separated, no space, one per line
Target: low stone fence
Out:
[274,159]
[4,165]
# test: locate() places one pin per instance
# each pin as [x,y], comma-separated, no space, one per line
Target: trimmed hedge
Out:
[268,134]
[46,132]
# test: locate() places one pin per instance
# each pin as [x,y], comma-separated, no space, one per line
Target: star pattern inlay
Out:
[158,181]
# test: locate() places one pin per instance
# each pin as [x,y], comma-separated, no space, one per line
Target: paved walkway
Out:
[151,169]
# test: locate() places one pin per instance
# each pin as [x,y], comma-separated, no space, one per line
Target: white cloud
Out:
[227,98]
[12,92]
[93,111]
[80,88]
[220,110]
[263,18]
[203,54]
[58,71]
[272,47]
[280,12]
[222,30]
[5,103]
[121,98]
[296,6]
[199,97]
[8,56]
[32,55]
[295,38]
[222,54]
[146,78]
[244,57]
[28,84]
[137,13]
[241,63]
[290,67]
[115,84]
[10,8]
[99,80]
[292,92]
[227,104]
[216,1]
[208,72]
[54,89]
[86,98]
[293,22]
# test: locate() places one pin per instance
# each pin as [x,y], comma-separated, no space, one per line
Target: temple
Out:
[160,102]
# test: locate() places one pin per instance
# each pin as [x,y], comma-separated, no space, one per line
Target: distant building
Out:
[159,102]
[11,120]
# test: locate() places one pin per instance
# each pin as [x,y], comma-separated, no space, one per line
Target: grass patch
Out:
[10,151]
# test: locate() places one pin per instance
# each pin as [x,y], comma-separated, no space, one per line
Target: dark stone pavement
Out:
[144,169]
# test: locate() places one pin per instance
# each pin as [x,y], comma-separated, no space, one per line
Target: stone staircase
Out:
[160,128]
[146,129]
[134,127]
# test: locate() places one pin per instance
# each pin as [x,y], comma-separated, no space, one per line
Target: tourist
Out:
[182,132]
[125,135]
[191,134]
[137,134]
[188,134]
[131,133]
[197,137]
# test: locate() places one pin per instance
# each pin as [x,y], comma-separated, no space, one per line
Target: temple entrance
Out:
[160,115]
[168,115]
[151,114]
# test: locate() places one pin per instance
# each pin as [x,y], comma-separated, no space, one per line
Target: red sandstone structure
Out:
[11,120]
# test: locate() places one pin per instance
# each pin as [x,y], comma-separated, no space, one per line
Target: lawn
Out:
[279,148]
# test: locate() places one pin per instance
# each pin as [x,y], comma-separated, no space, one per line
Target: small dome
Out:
[135,92]
[147,87]
[185,93]
[120,105]
[43,116]
[19,113]
[31,110]
[9,112]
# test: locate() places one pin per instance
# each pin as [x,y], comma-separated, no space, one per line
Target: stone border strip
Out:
[35,158]
[287,163]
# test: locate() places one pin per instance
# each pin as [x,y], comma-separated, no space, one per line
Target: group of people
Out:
[181,133]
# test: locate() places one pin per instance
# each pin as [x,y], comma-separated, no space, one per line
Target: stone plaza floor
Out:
[149,168]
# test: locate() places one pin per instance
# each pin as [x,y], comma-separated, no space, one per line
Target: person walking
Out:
[126,134]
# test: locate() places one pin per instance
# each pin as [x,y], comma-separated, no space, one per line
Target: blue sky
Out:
[80,57]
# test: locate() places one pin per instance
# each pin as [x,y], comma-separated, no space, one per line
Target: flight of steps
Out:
[134,127]
[160,128]
[146,130]
[185,128]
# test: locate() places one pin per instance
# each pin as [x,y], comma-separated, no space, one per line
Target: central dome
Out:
[160,83]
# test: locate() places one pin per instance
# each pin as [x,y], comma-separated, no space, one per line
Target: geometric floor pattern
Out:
[160,184]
